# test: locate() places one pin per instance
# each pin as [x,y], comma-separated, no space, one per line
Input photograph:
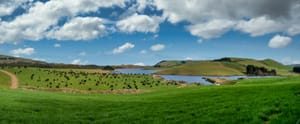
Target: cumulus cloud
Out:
[255,17]
[39,59]
[57,45]
[139,23]
[157,47]
[143,51]
[25,51]
[204,18]
[80,28]
[211,29]
[142,4]
[279,41]
[139,64]
[188,58]
[290,60]
[82,54]
[123,48]
[39,19]
[79,62]
[8,6]
[260,26]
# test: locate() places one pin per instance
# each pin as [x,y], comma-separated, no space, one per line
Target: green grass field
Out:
[201,68]
[254,101]
[65,79]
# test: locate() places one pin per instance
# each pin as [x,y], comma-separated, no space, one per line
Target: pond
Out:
[186,78]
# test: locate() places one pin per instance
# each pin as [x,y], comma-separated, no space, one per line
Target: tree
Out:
[296,69]
[261,71]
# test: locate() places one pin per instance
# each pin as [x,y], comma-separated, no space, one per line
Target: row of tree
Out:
[259,71]
[296,69]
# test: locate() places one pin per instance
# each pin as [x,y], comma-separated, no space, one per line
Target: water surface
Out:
[186,78]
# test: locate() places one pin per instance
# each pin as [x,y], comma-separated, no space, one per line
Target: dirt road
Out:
[13,78]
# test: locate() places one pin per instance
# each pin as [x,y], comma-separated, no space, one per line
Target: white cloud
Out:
[157,47]
[289,61]
[39,59]
[199,41]
[123,48]
[279,41]
[143,51]
[79,62]
[57,45]
[80,28]
[139,64]
[259,26]
[142,4]
[188,58]
[8,6]
[211,29]
[35,24]
[255,17]
[82,54]
[139,23]
[25,51]
[294,29]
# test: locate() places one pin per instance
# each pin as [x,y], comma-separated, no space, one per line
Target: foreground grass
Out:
[250,101]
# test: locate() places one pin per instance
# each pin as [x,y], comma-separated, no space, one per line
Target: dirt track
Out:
[14,79]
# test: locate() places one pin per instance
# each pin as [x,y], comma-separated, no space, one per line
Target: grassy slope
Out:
[201,68]
[237,66]
[4,81]
[274,101]
[104,82]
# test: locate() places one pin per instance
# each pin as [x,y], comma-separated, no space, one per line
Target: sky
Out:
[144,32]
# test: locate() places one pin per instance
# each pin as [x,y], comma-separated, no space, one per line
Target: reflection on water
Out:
[189,79]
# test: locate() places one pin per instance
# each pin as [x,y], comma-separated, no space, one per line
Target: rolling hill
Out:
[18,61]
[220,67]
[9,60]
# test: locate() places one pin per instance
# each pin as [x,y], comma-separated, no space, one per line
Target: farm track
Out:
[14,79]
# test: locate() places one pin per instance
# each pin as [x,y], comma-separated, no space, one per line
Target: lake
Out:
[188,79]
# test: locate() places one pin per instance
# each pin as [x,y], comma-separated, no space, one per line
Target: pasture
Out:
[91,80]
[253,101]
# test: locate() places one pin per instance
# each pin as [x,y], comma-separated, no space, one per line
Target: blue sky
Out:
[147,31]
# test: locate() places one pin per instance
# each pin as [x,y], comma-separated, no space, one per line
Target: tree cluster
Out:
[259,71]
[296,69]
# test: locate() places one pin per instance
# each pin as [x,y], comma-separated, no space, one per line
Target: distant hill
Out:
[220,67]
[9,60]
[17,61]
[294,65]
[170,63]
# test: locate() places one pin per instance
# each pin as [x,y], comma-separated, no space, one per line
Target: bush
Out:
[108,68]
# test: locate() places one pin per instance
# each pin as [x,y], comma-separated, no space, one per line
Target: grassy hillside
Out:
[169,63]
[16,60]
[83,79]
[4,81]
[222,67]
[201,68]
[255,101]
